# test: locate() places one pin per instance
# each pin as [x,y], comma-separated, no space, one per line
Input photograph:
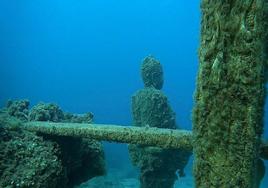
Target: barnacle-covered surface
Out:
[30,160]
[18,109]
[152,73]
[78,118]
[164,138]
[264,150]
[266,46]
[81,158]
[150,108]
[46,112]
[52,112]
[158,166]
[228,116]
[26,160]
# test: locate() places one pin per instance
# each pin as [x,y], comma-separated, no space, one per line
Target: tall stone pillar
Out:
[230,94]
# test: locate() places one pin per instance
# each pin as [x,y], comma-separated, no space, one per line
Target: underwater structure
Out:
[41,160]
[230,93]
[227,117]
[150,108]
[147,136]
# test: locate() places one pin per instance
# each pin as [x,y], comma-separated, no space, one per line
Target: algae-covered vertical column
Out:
[228,116]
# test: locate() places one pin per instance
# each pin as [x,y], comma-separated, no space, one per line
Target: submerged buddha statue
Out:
[159,168]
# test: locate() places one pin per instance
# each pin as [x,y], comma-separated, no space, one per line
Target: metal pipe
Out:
[164,138]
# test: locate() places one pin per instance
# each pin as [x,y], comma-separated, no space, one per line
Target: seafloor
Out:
[118,178]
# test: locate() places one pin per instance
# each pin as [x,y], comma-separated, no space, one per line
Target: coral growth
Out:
[74,118]
[150,108]
[18,109]
[29,160]
[26,160]
[82,159]
[152,73]
[228,115]
[79,155]
[264,150]
[158,166]
[46,112]
[52,112]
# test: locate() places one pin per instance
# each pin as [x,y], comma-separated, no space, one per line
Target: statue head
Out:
[152,73]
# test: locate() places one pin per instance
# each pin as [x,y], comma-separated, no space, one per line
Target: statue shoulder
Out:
[149,96]
[149,92]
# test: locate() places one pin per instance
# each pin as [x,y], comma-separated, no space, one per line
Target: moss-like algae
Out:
[52,112]
[47,161]
[150,108]
[46,112]
[228,115]
[26,160]
[164,138]
[152,73]
[18,109]
[82,158]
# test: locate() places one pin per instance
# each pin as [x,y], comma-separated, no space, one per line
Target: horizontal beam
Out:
[164,138]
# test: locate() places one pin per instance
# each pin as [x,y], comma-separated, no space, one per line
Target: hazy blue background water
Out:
[85,55]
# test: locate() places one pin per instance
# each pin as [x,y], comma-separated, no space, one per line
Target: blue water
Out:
[85,55]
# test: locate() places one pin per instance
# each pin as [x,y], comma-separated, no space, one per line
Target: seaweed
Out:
[150,108]
[26,160]
[40,160]
[46,112]
[152,73]
[18,109]
[230,93]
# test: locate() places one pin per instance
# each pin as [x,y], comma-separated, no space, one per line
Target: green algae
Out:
[228,115]
[52,112]
[38,160]
[46,112]
[26,160]
[150,108]
[164,138]
[18,109]
[152,73]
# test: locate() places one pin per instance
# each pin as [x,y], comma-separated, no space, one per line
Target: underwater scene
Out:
[133,94]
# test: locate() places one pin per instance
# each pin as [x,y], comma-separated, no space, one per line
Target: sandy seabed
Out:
[122,178]
[115,179]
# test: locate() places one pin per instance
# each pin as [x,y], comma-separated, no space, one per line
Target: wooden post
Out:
[230,94]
